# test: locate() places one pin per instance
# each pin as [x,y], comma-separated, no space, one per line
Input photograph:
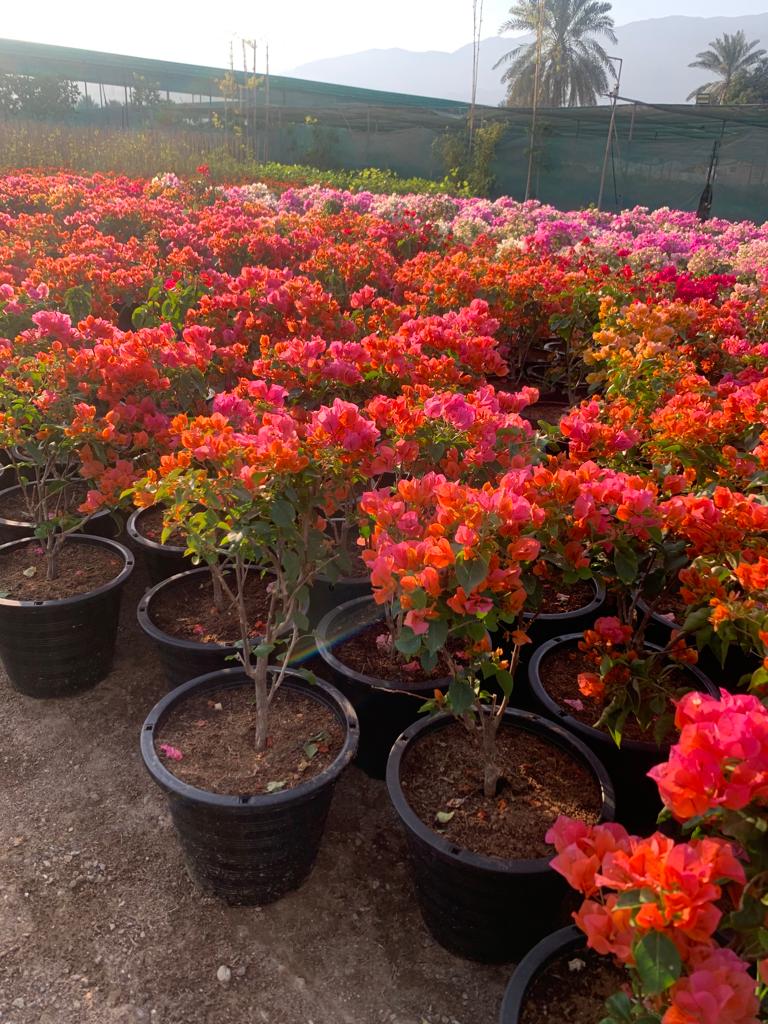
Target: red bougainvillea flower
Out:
[720,759]
[717,988]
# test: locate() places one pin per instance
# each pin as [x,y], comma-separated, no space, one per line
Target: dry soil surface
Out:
[100,924]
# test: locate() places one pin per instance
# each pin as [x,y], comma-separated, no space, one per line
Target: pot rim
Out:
[153,631]
[323,578]
[63,602]
[229,678]
[26,524]
[325,649]
[536,960]
[657,617]
[528,722]
[136,535]
[571,723]
[575,613]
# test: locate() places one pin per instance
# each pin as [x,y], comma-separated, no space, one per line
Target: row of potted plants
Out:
[248,502]
[341,534]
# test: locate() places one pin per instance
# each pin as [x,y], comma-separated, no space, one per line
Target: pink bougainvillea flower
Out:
[172,753]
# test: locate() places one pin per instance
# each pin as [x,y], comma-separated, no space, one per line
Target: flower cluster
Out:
[655,906]
[715,783]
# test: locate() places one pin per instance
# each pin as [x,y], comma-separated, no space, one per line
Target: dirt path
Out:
[99,923]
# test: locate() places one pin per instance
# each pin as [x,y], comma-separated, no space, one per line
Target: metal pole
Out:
[535,100]
[609,140]
[477,28]
[266,105]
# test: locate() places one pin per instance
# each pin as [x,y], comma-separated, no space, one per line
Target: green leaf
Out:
[275,787]
[625,563]
[428,661]
[437,635]
[282,513]
[696,619]
[444,816]
[460,696]
[306,674]
[620,1006]
[301,620]
[4,593]
[262,650]
[505,680]
[29,572]
[471,574]
[407,642]
[310,749]
[475,630]
[635,898]
[658,963]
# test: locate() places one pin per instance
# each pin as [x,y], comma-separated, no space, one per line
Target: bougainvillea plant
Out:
[611,526]
[447,564]
[39,409]
[654,905]
[726,584]
[250,491]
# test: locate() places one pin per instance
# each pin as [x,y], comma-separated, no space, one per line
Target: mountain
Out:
[655,51]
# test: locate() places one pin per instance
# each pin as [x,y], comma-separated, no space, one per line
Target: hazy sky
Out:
[199,31]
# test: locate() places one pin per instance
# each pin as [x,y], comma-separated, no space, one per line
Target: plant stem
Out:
[259,676]
[217,581]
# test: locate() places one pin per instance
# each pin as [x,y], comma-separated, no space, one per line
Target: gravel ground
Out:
[100,924]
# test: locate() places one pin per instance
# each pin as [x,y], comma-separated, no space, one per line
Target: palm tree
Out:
[574,66]
[727,57]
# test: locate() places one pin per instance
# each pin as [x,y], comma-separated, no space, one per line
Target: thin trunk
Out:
[257,672]
[489,725]
[261,691]
[52,548]
[218,588]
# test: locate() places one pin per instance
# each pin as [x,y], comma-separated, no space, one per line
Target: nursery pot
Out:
[564,942]
[59,647]
[480,907]
[385,707]
[100,524]
[542,628]
[161,560]
[250,848]
[549,624]
[182,659]
[637,798]
[326,594]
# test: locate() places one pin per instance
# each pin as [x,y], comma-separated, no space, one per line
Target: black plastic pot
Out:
[637,797]
[249,849]
[326,595]
[550,624]
[101,524]
[385,707]
[182,659]
[61,647]
[478,907]
[564,942]
[659,628]
[543,628]
[161,560]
